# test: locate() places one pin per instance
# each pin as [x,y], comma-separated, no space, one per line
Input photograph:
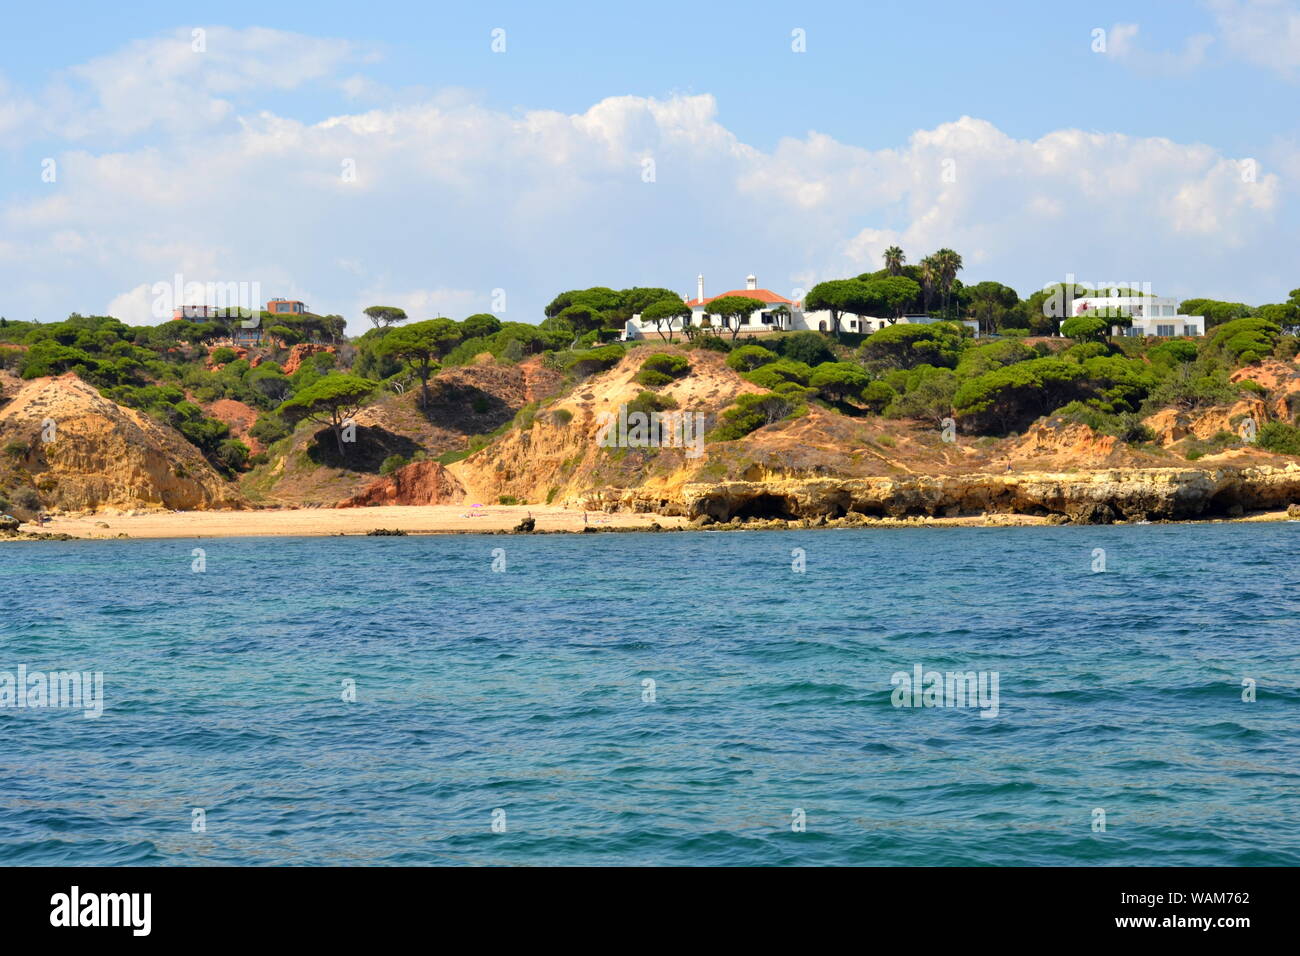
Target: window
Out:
[766,318]
[1164,330]
[1191,330]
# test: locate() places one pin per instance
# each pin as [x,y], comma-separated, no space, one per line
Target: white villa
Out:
[781,315]
[1152,315]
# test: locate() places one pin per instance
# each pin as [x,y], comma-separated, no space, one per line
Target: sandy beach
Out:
[430,519]
[441,519]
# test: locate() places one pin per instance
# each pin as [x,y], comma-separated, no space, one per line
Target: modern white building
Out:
[780,315]
[1152,315]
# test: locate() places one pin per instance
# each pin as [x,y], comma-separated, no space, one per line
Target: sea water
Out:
[649,699]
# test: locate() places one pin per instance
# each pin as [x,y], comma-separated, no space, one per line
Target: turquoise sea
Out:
[519,697]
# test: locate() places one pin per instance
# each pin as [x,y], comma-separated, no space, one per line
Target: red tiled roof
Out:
[766,295]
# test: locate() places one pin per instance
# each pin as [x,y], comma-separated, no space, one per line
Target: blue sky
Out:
[523,171]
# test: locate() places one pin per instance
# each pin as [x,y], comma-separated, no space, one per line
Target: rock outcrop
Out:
[300,352]
[419,483]
[84,452]
[1086,498]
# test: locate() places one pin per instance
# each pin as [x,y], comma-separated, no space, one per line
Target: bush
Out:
[752,412]
[1126,426]
[652,379]
[1279,437]
[810,348]
[392,463]
[647,402]
[561,416]
[709,342]
[783,370]
[232,455]
[223,356]
[877,395]
[1246,340]
[269,429]
[590,361]
[662,368]
[836,381]
[749,357]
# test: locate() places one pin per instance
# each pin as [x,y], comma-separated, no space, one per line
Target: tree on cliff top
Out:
[332,401]
[422,344]
[385,315]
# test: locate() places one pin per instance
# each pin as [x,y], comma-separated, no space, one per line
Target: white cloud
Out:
[1122,44]
[164,82]
[1263,32]
[452,200]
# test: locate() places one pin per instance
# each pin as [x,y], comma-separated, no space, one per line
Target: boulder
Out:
[1093,513]
[526,526]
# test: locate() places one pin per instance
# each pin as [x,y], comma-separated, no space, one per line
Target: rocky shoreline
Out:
[1095,497]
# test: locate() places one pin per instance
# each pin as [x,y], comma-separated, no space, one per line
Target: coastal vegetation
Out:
[305,381]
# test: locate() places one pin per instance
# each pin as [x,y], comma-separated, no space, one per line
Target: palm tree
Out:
[948,264]
[929,279]
[894,260]
[781,314]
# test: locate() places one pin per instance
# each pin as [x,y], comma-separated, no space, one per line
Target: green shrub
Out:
[270,428]
[877,395]
[751,412]
[392,463]
[1246,340]
[232,455]
[808,347]
[223,355]
[837,381]
[1279,437]
[652,379]
[783,370]
[561,416]
[1126,426]
[662,368]
[749,357]
[590,361]
[648,402]
[709,342]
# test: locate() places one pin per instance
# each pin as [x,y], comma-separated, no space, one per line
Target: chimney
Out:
[751,281]
[699,287]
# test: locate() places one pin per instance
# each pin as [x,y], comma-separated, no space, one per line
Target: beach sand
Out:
[444,519]
[428,519]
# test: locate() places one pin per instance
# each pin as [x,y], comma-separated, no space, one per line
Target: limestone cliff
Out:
[103,455]
[1088,497]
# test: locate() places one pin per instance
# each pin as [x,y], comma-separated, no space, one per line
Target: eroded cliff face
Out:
[419,483]
[104,456]
[829,465]
[1097,497]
